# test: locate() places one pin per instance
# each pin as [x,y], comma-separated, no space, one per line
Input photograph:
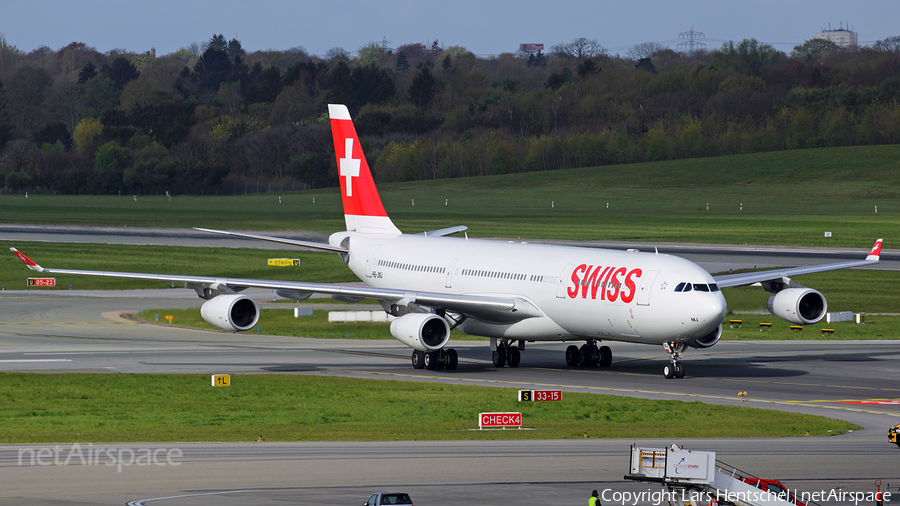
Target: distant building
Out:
[843,37]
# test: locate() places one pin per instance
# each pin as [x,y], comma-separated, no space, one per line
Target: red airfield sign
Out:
[499,420]
[41,281]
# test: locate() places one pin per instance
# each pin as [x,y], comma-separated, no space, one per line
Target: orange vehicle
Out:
[775,487]
[894,434]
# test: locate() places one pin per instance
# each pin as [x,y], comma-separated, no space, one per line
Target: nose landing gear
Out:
[675,351]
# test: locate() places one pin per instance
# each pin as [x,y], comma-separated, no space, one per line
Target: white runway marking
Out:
[35,360]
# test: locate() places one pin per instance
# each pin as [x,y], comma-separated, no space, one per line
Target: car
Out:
[774,487]
[894,434]
[380,498]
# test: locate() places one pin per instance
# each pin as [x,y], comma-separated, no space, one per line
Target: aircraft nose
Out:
[716,308]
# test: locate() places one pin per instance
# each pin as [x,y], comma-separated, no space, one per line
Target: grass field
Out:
[43,408]
[787,197]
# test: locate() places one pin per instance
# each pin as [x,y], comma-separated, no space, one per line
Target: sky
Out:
[484,27]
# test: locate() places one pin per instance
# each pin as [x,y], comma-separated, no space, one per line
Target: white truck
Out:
[693,476]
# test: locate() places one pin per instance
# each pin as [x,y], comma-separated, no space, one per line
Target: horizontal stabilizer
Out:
[293,242]
[447,231]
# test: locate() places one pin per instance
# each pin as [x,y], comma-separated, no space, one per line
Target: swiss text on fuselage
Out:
[610,283]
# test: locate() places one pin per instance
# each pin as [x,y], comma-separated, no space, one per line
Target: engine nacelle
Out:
[707,340]
[233,312]
[421,331]
[801,306]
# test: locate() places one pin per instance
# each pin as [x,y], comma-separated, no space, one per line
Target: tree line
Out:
[208,119]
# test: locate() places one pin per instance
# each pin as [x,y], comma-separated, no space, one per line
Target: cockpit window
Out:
[697,287]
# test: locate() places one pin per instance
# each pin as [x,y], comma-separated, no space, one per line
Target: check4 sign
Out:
[499,420]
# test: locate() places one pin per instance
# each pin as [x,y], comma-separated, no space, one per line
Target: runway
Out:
[432,472]
[81,332]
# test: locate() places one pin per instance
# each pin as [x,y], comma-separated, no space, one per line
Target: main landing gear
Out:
[675,351]
[507,354]
[445,358]
[589,355]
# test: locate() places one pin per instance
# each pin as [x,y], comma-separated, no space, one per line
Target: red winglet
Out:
[29,262]
[875,254]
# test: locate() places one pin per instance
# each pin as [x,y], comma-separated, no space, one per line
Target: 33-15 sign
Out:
[540,395]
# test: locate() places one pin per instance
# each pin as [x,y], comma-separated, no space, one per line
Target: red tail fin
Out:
[363,210]
[875,253]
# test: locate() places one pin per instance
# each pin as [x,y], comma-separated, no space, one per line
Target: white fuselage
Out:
[583,293]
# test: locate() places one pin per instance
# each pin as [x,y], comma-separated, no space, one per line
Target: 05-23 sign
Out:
[41,281]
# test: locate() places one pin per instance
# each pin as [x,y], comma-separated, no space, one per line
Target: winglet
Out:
[29,262]
[875,254]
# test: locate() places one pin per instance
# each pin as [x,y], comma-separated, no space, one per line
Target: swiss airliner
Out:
[511,292]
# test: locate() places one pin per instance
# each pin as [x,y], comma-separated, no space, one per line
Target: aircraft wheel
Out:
[513,356]
[679,370]
[669,371]
[499,356]
[431,360]
[572,356]
[418,359]
[585,356]
[605,356]
[452,359]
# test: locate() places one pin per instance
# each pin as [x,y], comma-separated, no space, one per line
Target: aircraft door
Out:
[563,278]
[449,283]
[370,262]
[643,298]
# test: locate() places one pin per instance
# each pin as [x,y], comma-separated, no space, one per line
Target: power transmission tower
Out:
[691,45]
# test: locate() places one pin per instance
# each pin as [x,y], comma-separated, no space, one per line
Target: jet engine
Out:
[421,331]
[800,306]
[232,312]
[707,340]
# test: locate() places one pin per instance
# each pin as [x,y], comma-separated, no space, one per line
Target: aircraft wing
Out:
[492,309]
[748,278]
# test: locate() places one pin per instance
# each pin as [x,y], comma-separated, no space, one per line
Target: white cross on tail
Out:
[349,165]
